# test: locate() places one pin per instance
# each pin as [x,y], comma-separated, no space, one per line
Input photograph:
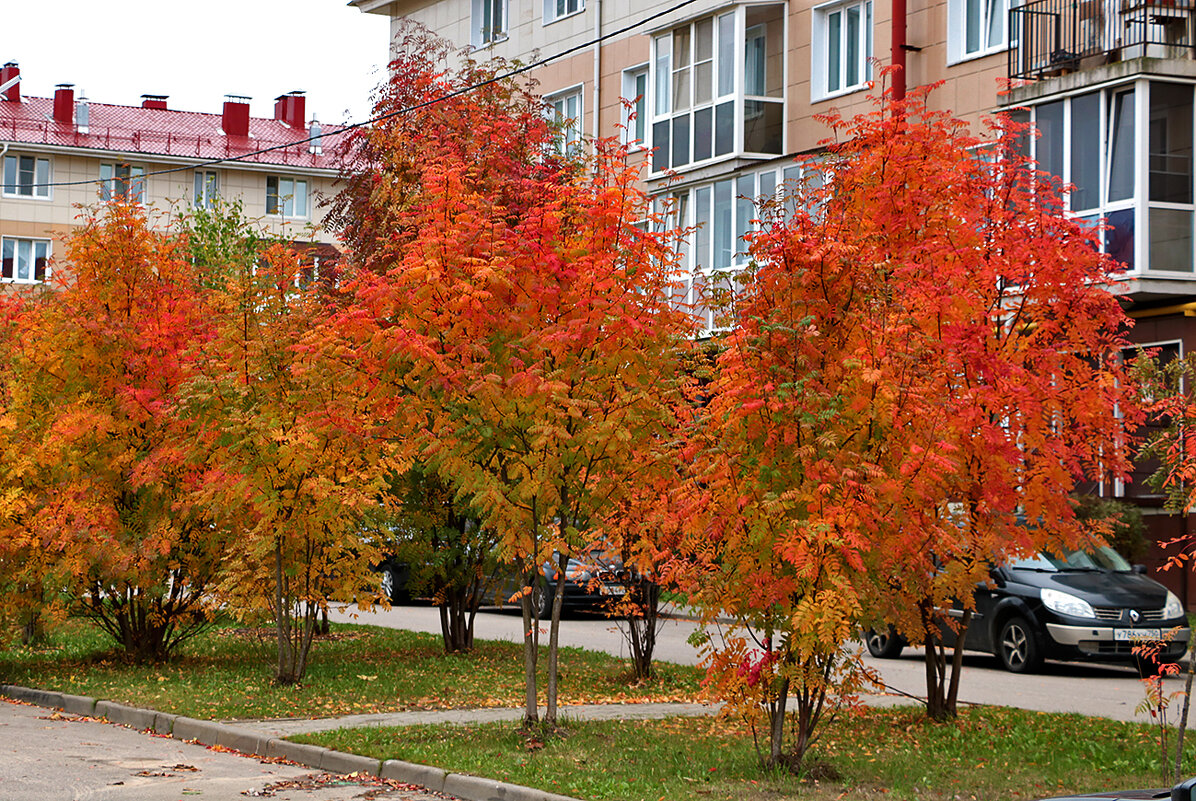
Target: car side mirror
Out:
[1184,791]
[1140,569]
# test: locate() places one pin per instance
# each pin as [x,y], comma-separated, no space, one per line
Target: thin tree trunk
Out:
[554,628]
[281,615]
[952,707]
[531,643]
[1183,712]
[776,725]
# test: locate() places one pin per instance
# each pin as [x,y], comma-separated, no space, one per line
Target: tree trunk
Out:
[952,706]
[554,630]
[643,614]
[1183,712]
[776,725]
[531,646]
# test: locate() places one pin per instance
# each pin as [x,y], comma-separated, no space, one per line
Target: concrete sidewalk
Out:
[289,726]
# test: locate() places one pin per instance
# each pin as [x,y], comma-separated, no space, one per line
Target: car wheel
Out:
[542,599]
[1017,647]
[388,583]
[885,644]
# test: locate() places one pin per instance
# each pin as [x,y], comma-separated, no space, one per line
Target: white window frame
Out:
[561,9]
[122,181]
[556,107]
[958,19]
[820,49]
[206,188]
[40,179]
[284,201]
[635,102]
[482,35]
[10,247]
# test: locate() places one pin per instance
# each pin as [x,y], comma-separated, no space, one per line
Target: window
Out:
[635,105]
[286,197]
[207,187]
[1127,153]
[24,261]
[720,217]
[565,110]
[26,176]
[556,9]
[976,28]
[489,22]
[719,88]
[122,182]
[842,48]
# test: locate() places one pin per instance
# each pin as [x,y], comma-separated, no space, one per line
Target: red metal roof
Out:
[186,134]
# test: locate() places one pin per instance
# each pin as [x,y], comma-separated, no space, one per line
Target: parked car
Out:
[1184,791]
[1084,605]
[592,580]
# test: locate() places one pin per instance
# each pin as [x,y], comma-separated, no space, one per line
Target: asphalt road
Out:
[45,756]
[1107,691]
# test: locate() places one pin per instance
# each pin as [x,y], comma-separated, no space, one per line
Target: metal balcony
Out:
[1055,37]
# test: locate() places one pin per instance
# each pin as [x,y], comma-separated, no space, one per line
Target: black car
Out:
[1184,791]
[1085,605]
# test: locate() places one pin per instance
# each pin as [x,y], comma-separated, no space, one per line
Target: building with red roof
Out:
[61,152]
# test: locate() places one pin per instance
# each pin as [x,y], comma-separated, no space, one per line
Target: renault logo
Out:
[1134,616]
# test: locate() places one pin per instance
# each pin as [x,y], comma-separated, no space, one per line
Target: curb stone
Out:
[207,732]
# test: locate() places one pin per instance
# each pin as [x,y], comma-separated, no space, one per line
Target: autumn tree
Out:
[924,364]
[91,370]
[274,443]
[515,312]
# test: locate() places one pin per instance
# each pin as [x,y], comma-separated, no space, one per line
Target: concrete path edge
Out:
[209,732]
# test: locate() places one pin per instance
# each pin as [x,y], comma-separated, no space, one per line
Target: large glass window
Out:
[842,43]
[720,218]
[1126,153]
[635,105]
[122,182]
[976,28]
[207,187]
[718,91]
[286,197]
[565,110]
[489,22]
[24,261]
[26,176]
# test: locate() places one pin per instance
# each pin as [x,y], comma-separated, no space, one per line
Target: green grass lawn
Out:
[989,754]
[225,674]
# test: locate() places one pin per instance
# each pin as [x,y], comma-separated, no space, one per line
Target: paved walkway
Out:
[290,726]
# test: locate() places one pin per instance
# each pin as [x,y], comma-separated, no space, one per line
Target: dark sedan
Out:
[1083,605]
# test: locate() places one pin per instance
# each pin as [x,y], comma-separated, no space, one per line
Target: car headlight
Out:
[1173,608]
[1066,604]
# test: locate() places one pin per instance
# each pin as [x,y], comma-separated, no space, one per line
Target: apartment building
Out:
[726,92]
[60,152]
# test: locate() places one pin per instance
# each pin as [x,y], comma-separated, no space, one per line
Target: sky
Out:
[197,52]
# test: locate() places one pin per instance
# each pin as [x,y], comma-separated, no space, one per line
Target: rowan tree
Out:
[514,311]
[275,444]
[924,364]
[92,369]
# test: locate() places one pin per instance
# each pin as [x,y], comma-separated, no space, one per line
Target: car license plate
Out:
[1133,635]
[616,590]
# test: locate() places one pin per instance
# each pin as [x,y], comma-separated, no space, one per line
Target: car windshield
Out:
[1103,558]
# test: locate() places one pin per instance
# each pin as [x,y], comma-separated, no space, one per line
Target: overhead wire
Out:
[341,130]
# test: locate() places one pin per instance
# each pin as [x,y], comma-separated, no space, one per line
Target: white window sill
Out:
[979,54]
[850,90]
[577,13]
[40,198]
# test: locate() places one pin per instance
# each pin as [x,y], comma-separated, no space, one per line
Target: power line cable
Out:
[409,109]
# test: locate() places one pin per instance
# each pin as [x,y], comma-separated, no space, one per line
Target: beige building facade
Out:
[65,152]
[726,94]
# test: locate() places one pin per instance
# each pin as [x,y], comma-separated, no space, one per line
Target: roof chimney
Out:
[82,115]
[289,108]
[64,103]
[10,82]
[313,133]
[236,115]
[154,101]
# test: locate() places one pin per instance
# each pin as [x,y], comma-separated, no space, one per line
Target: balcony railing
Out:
[1054,37]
